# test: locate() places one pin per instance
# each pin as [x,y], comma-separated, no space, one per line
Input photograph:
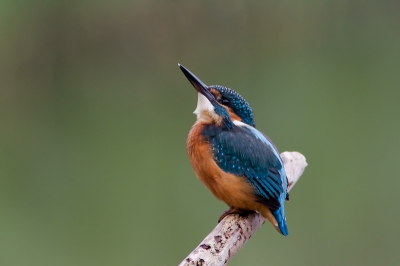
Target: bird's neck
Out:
[208,118]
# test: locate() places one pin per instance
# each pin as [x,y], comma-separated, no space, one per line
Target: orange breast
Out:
[232,189]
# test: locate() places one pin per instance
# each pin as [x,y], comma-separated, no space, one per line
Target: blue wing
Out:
[245,151]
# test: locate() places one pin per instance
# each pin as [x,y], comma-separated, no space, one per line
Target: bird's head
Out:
[218,104]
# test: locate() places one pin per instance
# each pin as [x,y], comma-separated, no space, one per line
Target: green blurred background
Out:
[94,114]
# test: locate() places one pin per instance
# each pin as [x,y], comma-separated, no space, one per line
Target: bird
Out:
[239,164]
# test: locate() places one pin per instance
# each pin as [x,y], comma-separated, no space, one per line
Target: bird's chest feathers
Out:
[201,157]
[233,190]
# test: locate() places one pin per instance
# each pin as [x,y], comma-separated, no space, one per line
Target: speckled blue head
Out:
[233,100]
[219,104]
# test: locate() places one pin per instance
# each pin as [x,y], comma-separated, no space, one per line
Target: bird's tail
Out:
[280,217]
[277,218]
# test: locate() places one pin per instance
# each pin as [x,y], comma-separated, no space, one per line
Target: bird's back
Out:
[242,167]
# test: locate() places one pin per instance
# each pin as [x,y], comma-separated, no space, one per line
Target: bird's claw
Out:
[232,210]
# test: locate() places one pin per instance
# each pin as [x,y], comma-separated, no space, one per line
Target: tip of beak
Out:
[197,83]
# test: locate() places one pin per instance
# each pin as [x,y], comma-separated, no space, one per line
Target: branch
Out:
[233,231]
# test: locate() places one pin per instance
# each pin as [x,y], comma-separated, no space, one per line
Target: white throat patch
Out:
[203,104]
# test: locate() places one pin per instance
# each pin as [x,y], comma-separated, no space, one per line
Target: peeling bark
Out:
[233,231]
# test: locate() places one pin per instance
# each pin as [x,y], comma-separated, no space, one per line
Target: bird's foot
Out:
[233,210]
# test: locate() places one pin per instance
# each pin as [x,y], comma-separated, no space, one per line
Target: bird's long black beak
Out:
[197,83]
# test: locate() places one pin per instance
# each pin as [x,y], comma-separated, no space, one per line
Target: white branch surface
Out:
[233,231]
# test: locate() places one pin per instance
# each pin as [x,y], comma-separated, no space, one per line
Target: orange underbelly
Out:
[233,190]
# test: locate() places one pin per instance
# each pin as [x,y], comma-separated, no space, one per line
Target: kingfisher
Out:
[236,162]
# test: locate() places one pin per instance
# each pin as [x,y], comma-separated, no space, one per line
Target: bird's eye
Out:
[225,101]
